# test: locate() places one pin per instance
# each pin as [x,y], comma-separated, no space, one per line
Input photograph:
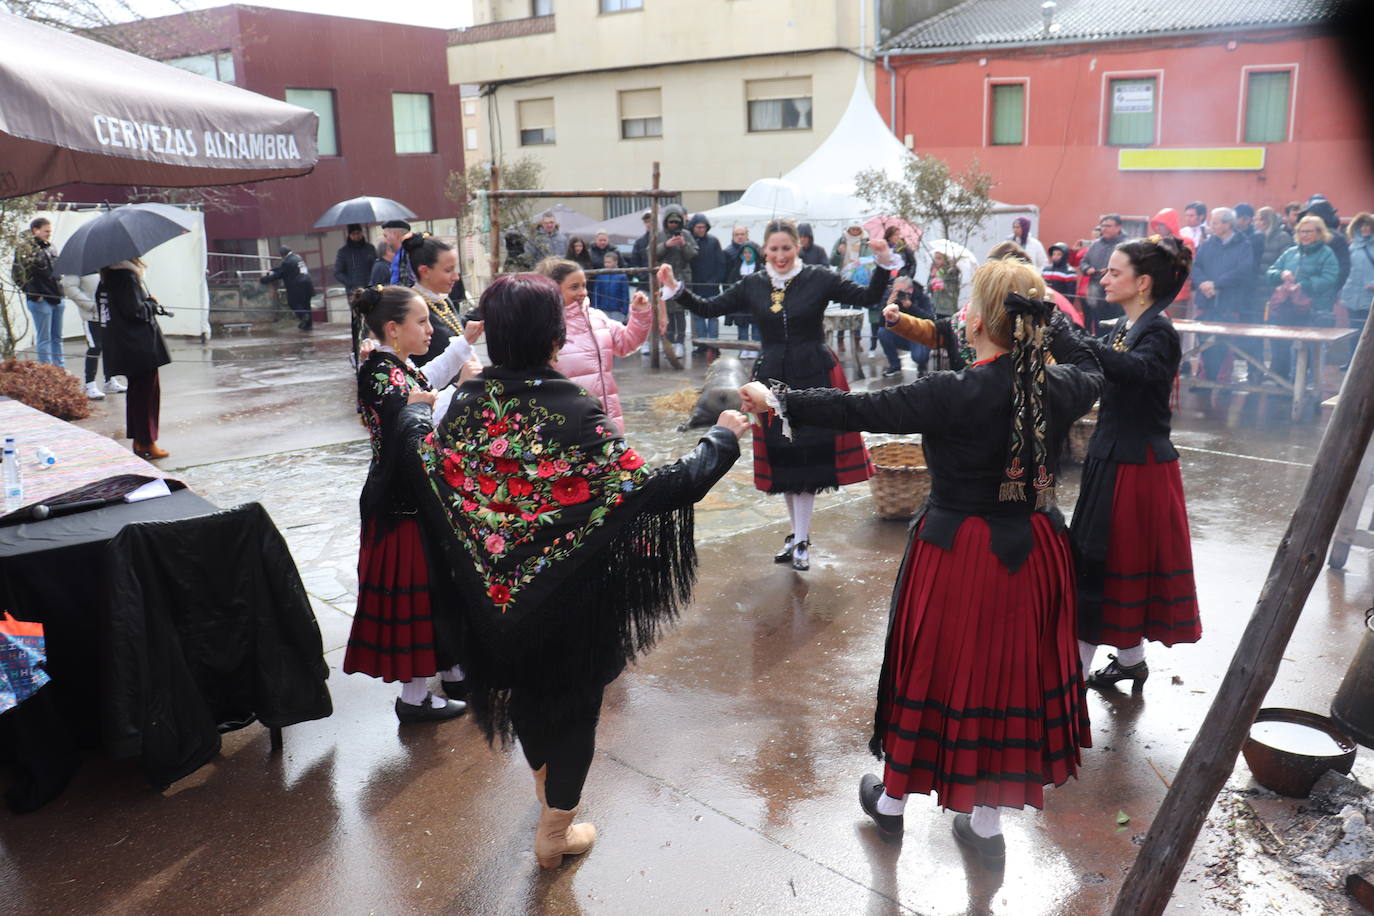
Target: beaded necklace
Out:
[443,309]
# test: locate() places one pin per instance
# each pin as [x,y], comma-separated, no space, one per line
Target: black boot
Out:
[870,790]
[1115,671]
[785,555]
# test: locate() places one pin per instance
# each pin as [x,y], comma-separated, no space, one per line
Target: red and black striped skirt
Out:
[393,627]
[1148,590]
[984,701]
[814,459]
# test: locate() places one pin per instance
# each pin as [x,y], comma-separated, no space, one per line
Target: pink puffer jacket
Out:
[589,362]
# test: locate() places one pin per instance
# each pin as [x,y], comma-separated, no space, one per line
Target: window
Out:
[541,8]
[469,138]
[411,119]
[1008,127]
[536,121]
[1267,96]
[641,113]
[218,65]
[616,6]
[619,206]
[320,101]
[727,197]
[469,109]
[781,104]
[1131,111]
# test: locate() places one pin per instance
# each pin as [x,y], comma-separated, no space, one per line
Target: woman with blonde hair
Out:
[980,697]
[1305,280]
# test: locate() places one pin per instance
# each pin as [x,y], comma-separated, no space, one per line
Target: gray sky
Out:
[447,14]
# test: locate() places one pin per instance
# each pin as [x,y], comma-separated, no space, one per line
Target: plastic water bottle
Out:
[45,457]
[14,478]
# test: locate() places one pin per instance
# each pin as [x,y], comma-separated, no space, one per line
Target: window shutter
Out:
[1008,114]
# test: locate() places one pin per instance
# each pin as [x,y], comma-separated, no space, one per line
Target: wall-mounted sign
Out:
[1216,159]
[1133,98]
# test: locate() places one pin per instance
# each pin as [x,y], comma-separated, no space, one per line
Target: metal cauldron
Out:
[1353,706]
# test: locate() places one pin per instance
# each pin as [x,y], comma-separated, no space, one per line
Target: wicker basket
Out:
[902,481]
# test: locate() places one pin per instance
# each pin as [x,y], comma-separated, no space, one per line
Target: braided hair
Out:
[1011,296]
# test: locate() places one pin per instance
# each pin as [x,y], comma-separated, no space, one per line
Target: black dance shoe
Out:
[455,690]
[801,556]
[427,711]
[991,850]
[1115,671]
[870,790]
[785,555]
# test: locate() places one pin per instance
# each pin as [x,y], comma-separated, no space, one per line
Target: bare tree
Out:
[928,192]
[523,174]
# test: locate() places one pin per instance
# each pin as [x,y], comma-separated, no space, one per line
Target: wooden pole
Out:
[655,330]
[656,193]
[1297,562]
[494,217]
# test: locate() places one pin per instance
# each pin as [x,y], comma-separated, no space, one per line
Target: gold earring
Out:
[1141,301]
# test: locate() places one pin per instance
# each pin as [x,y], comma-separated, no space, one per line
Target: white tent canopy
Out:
[820,190]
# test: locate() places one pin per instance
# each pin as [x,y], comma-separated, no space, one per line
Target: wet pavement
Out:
[728,759]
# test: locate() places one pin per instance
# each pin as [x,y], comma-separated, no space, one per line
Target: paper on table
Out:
[149,490]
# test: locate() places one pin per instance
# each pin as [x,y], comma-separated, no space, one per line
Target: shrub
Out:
[50,389]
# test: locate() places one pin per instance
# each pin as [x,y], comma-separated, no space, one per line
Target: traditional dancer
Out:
[435,266]
[569,554]
[593,339]
[1130,527]
[788,302]
[396,635]
[980,696]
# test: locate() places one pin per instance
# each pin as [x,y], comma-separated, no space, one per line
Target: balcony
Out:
[495,31]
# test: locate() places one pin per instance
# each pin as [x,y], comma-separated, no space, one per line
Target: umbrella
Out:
[119,235]
[363,210]
[953,251]
[72,109]
[876,226]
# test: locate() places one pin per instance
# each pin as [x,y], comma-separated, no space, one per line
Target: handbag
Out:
[22,656]
[1289,301]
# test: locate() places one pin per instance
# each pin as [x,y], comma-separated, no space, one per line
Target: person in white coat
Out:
[1021,235]
[81,290]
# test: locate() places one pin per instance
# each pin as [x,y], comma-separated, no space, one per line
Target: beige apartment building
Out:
[720,92]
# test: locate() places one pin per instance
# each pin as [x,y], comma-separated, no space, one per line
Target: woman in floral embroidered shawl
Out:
[567,553]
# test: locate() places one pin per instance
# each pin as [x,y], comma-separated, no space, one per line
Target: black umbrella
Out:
[363,210]
[119,235]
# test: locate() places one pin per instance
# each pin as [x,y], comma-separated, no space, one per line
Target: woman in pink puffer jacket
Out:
[593,339]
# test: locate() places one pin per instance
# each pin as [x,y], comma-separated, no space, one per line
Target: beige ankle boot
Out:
[539,776]
[558,836]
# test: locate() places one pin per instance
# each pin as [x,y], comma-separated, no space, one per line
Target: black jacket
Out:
[209,628]
[1135,410]
[709,266]
[813,254]
[295,276]
[35,270]
[381,273]
[964,419]
[132,342]
[1230,266]
[353,264]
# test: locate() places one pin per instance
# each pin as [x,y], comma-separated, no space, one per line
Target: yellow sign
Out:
[1227,159]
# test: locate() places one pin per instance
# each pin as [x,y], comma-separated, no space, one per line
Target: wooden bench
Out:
[1309,343]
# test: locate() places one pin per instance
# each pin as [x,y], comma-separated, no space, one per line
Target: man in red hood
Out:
[1163,223]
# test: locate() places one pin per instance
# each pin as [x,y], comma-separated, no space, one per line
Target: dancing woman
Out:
[396,635]
[435,266]
[980,696]
[569,554]
[787,301]
[1130,527]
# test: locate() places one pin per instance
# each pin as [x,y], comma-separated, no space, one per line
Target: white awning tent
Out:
[820,190]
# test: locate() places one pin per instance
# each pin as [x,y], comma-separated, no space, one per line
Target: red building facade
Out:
[390,120]
[1261,115]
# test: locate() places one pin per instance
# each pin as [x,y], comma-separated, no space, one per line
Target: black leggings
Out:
[95,333]
[558,731]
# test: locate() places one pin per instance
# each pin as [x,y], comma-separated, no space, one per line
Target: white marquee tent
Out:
[820,190]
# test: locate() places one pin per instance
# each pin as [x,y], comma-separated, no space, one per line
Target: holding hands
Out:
[665,275]
[734,421]
[473,330]
[420,396]
[754,398]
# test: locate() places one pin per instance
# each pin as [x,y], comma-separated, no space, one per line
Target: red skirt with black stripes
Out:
[1148,592]
[393,627]
[813,460]
[984,703]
